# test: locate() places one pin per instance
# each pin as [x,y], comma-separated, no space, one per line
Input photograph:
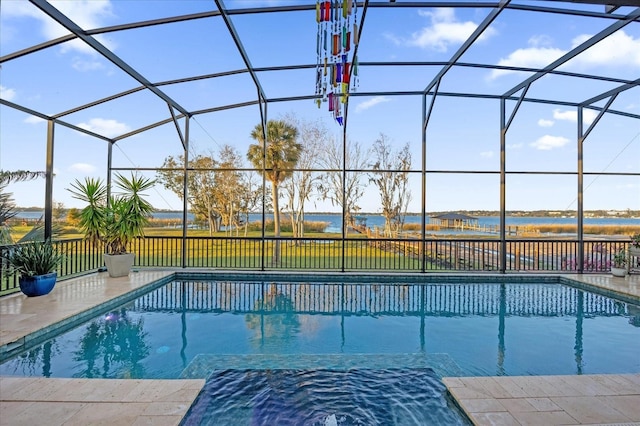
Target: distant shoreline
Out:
[560,214]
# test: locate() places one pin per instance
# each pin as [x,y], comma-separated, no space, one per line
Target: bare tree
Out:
[303,182]
[391,176]
[343,192]
[228,188]
[250,197]
[59,211]
[200,186]
[214,185]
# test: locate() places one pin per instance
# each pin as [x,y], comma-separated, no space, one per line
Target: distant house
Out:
[455,221]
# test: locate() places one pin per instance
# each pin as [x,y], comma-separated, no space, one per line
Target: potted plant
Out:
[618,268]
[113,221]
[36,263]
[634,247]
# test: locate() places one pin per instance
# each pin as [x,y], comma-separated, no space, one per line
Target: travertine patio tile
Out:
[453,382]
[9,385]
[627,404]
[78,390]
[633,378]
[107,390]
[495,419]
[26,391]
[107,413]
[589,409]
[493,387]
[587,386]
[12,409]
[543,404]
[530,386]
[157,420]
[514,405]
[556,386]
[619,405]
[625,384]
[545,418]
[43,413]
[514,387]
[154,390]
[482,405]
[180,395]
[167,409]
[465,392]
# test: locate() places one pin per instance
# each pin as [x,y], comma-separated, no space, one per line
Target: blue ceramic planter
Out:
[38,285]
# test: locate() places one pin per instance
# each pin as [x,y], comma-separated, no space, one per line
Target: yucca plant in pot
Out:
[619,265]
[114,221]
[36,263]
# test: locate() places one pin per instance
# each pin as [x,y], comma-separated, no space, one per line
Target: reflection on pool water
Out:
[346,339]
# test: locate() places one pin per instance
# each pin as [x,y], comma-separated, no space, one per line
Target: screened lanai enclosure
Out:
[328,135]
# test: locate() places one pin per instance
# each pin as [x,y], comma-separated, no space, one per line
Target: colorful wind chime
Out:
[335,72]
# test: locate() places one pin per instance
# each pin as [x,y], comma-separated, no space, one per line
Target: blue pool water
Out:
[265,345]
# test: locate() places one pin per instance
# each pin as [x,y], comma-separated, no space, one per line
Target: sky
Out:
[462,137]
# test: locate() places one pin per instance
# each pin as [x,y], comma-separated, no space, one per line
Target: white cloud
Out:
[545,123]
[86,65]
[486,154]
[445,30]
[617,50]
[540,40]
[7,93]
[83,168]
[32,119]
[108,128]
[548,142]
[88,14]
[588,115]
[515,146]
[371,102]
[530,57]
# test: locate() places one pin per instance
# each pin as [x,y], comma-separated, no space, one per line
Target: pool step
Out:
[203,365]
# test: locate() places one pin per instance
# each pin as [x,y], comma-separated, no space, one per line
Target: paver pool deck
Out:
[530,400]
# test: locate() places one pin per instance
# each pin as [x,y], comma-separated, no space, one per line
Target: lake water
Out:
[373,220]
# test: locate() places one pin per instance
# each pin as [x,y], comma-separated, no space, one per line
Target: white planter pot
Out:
[618,272]
[634,251]
[119,265]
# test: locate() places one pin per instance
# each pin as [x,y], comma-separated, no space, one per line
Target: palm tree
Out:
[275,158]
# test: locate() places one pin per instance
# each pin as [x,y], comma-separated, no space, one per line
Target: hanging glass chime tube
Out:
[345,46]
[325,36]
[331,104]
[336,44]
[333,75]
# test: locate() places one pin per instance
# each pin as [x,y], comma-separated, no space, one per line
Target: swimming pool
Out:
[264,337]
